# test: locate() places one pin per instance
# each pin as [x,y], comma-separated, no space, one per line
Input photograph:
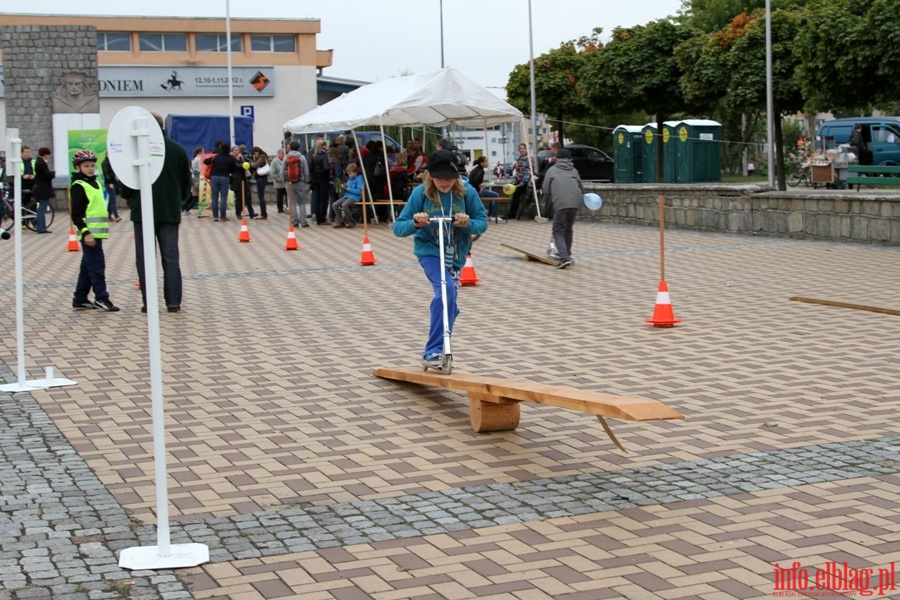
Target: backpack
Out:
[293,168]
[319,166]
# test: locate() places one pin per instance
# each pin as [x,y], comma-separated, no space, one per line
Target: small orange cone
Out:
[73,241]
[663,315]
[245,233]
[291,243]
[368,258]
[468,276]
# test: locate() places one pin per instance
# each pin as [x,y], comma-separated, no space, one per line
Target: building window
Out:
[273,43]
[162,42]
[211,42]
[113,41]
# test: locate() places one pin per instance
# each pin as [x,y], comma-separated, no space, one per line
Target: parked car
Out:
[591,163]
[881,134]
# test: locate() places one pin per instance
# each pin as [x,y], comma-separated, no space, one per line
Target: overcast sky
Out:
[377,39]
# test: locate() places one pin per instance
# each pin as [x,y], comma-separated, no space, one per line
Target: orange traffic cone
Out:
[291,243]
[73,241]
[368,258]
[245,233]
[468,276]
[663,316]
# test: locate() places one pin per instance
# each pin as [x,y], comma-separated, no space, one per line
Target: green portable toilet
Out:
[648,152]
[669,135]
[698,152]
[628,143]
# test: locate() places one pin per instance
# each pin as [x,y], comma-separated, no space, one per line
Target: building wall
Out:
[292,98]
[36,57]
[294,80]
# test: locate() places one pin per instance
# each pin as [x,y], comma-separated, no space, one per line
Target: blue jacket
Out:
[354,188]
[425,242]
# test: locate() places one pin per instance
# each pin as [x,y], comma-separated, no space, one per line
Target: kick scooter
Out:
[446,354]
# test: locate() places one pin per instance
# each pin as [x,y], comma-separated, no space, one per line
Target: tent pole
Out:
[368,190]
[533,167]
[387,169]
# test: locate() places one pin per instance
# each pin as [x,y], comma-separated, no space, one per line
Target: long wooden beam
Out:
[886,311]
[587,401]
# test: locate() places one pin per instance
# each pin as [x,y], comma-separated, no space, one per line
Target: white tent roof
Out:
[437,99]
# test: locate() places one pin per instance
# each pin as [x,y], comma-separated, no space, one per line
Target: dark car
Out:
[591,163]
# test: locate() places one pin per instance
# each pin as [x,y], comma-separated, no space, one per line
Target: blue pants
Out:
[111,207]
[167,237]
[92,273]
[432,267]
[41,217]
[261,183]
[220,186]
[492,210]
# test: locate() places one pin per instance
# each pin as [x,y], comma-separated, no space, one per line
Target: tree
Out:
[849,53]
[637,70]
[556,76]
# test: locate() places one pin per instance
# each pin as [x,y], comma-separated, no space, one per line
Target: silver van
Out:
[882,136]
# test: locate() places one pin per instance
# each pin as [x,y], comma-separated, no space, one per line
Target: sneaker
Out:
[82,305]
[566,262]
[432,360]
[339,225]
[499,220]
[106,305]
[172,309]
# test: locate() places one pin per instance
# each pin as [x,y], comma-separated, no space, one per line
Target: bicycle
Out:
[801,175]
[29,209]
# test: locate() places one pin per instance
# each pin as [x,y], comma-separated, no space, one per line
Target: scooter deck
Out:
[530,256]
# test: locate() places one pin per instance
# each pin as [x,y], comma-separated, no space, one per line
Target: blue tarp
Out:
[204,130]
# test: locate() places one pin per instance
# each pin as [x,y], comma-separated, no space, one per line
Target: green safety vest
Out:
[22,167]
[96,217]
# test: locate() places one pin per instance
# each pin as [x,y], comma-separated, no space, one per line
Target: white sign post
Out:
[15,160]
[136,149]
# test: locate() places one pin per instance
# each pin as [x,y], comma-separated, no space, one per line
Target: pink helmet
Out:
[83,156]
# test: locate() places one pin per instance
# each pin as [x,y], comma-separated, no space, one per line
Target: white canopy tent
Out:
[437,99]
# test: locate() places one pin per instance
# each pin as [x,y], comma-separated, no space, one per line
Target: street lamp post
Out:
[533,95]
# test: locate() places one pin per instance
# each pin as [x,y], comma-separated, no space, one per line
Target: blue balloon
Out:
[593,201]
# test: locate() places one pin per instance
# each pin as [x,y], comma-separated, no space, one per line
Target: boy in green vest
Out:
[90,219]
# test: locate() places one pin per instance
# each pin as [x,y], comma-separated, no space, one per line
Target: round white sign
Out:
[122,147]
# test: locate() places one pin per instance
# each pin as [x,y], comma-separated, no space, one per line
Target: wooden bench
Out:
[494,402]
[873,175]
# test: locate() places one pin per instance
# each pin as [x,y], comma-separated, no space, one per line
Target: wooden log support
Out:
[493,413]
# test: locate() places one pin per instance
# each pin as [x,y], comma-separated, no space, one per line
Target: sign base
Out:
[147,558]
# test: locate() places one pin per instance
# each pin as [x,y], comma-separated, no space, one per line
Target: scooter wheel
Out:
[448,364]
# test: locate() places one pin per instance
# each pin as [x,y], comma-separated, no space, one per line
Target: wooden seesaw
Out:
[532,256]
[494,402]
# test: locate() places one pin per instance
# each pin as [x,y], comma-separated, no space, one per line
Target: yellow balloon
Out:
[246,166]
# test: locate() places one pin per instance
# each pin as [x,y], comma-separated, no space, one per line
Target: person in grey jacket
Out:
[563,191]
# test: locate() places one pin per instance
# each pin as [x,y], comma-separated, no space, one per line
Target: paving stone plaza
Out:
[308,477]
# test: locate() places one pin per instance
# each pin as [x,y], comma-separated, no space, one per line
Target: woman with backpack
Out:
[259,166]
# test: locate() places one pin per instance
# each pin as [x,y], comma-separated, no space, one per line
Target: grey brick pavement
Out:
[60,529]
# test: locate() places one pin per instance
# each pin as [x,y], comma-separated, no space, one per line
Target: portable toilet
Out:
[628,142]
[698,152]
[669,136]
[648,152]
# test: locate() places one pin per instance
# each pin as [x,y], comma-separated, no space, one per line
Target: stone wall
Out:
[837,215]
[34,61]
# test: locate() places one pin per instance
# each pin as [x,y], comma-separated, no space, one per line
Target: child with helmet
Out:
[91,222]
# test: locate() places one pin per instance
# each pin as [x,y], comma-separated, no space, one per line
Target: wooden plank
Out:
[886,311]
[529,256]
[587,401]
